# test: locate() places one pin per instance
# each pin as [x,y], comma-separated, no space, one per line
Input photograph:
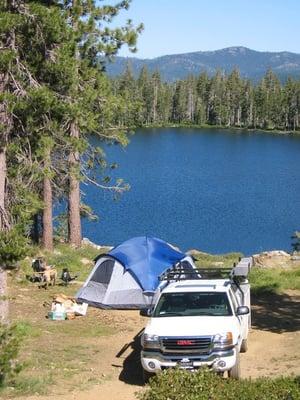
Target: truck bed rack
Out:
[179,274]
[184,271]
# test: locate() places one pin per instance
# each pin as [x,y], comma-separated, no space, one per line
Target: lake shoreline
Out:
[212,127]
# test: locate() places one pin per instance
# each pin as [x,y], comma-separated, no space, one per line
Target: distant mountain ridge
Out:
[252,64]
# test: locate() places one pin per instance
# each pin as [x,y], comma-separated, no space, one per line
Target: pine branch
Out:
[115,188]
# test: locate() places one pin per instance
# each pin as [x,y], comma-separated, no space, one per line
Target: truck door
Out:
[243,319]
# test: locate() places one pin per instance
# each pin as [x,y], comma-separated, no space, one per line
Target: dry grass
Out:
[57,355]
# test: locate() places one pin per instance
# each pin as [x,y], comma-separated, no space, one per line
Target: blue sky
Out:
[177,26]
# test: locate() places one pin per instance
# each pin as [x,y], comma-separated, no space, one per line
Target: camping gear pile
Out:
[44,274]
[65,307]
[47,274]
[128,276]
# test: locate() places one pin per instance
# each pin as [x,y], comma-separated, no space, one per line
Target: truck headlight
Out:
[150,341]
[223,341]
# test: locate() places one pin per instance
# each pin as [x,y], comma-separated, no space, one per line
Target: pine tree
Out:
[144,87]
[179,106]
[9,13]
[37,115]
[92,38]
[202,94]
[131,111]
[273,100]
[290,105]
[247,105]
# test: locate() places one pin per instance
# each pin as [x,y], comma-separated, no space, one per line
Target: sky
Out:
[181,26]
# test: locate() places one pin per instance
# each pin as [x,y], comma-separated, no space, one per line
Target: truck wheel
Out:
[235,371]
[244,346]
[146,376]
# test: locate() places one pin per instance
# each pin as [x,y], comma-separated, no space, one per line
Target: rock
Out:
[85,261]
[272,259]
[88,242]
[295,256]
[195,253]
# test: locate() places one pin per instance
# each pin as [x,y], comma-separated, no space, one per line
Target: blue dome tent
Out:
[128,275]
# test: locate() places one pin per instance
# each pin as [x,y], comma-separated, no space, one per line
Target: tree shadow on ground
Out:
[132,372]
[275,312]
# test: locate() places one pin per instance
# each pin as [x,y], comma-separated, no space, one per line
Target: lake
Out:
[211,189]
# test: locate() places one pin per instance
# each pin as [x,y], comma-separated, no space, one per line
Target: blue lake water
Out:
[210,189]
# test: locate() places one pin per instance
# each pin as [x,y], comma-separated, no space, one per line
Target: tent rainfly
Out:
[127,277]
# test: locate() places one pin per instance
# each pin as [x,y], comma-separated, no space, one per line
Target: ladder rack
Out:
[179,274]
[182,271]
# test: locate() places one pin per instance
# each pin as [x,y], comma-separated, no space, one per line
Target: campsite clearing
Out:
[82,358]
[78,359]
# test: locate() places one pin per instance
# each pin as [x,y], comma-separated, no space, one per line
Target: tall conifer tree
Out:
[92,38]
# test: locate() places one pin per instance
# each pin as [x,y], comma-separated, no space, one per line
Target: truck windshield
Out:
[193,304]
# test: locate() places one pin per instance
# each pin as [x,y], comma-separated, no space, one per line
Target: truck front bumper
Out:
[219,361]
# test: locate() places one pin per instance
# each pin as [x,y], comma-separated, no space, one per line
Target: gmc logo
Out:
[185,342]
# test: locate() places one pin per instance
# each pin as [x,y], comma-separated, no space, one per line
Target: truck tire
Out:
[146,376]
[235,371]
[244,346]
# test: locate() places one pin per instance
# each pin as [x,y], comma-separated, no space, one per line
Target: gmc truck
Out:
[198,320]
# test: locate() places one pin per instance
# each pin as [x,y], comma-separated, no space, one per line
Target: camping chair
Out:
[38,270]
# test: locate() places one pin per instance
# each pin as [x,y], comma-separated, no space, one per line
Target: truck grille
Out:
[187,345]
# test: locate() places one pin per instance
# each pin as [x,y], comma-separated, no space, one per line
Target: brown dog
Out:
[49,276]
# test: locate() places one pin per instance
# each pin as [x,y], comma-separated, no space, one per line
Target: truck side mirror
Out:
[146,312]
[242,310]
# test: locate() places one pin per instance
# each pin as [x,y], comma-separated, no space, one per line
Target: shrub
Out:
[296,241]
[177,384]
[10,340]
[13,247]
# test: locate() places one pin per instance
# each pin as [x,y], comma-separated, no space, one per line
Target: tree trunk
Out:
[47,239]
[3,226]
[154,104]
[74,222]
[5,121]
[251,122]
[74,193]
[2,189]
[4,223]
[35,231]
[4,305]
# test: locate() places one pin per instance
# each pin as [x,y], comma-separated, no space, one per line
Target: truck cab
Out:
[196,322]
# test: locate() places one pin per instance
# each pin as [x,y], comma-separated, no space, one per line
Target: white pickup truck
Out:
[197,321]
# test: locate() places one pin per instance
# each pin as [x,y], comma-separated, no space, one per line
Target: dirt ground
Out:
[274,349]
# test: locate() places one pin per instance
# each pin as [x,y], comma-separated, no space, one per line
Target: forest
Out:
[222,100]
[53,95]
